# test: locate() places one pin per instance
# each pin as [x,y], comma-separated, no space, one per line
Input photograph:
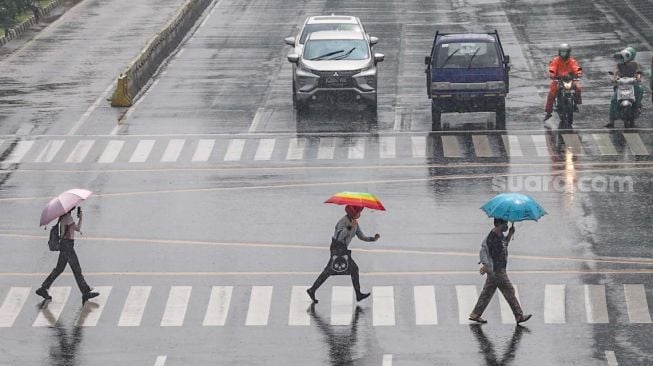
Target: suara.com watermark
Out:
[560,183]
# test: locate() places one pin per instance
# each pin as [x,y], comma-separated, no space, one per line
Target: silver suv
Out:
[335,65]
[325,23]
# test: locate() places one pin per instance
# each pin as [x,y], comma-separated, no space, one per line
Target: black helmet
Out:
[564,50]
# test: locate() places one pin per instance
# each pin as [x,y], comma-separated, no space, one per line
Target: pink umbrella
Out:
[62,204]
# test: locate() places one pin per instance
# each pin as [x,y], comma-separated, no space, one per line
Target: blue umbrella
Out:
[513,207]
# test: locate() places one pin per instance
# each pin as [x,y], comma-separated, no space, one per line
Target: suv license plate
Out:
[336,81]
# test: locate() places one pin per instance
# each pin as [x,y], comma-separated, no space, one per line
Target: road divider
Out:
[160,47]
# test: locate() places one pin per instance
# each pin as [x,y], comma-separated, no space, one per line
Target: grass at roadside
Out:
[26,15]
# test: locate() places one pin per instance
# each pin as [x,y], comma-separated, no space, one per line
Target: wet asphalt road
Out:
[208,214]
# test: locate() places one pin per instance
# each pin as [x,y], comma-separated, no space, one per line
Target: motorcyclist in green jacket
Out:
[626,67]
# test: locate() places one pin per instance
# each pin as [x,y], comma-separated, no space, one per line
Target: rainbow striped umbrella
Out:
[360,199]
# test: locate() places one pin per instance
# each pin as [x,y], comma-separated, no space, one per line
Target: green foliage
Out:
[10,10]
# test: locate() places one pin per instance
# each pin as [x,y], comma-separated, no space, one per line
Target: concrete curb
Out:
[145,65]
[27,24]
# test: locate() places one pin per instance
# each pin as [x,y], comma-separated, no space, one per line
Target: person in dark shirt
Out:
[497,277]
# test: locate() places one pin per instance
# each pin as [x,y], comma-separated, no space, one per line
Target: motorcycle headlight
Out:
[567,85]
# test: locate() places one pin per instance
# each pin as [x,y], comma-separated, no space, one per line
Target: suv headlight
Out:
[366,79]
[305,79]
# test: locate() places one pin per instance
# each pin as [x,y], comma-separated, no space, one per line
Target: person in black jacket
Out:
[497,245]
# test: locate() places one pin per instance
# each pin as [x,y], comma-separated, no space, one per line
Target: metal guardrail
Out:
[144,66]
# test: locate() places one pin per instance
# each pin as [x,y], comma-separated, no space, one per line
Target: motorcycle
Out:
[625,88]
[565,102]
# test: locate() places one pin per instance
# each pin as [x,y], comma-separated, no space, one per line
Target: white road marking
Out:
[426,311]
[638,311]
[49,314]
[296,149]
[327,148]
[611,358]
[12,305]
[635,144]
[260,301]
[451,147]
[19,151]
[418,146]
[541,146]
[572,141]
[132,311]
[92,309]
[387,360]
[80,151]
[554,304]
[218,309]
[173,150]
[482,146]
[512,146]
[299,303]
[142,152]
[90,109]
[357,148]
[387,147]
[261,114]
[49,151]
[234,150]
[507,317]
[341,305]
[203,150]
[175,310]
[161,361]
[383,302]
[595,304]
[605,145]
[467,296]
[111,152]
[265,149]
[398,113]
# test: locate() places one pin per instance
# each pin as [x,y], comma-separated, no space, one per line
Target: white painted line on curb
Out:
[90,109]
[611,358]
[387,360]
[160,361]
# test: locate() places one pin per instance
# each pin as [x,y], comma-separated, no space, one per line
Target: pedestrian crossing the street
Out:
[447,148]
[260,306]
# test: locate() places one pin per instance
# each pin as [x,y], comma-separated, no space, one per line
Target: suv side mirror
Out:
[374,40]
[293,57]
[290,41]
[506,59]
[427,60]
[379,57]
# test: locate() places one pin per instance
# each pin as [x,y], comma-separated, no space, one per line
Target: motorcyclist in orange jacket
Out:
[562,65]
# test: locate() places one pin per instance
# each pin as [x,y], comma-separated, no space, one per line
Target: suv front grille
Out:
[336,79]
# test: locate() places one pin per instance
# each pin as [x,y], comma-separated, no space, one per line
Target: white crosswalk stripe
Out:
[80,151]
[604,144]
[19,151]
[111,152]
[384,306]
[12,305]
[134,307]
[418,146]
[341,305]
[573,143]
[482,146]
[175,310]
[173,150]
[635,144]
[92,310]
[234,150]
[265,149]
[327,148]
[512,146]
[142,152]
[451,147]
[260,301]
[218,308]
[387,147]
[507,317]
[541,147]
[356,149]
[51,310]
[296,149]
[49,151]
[203,150]
[426,311]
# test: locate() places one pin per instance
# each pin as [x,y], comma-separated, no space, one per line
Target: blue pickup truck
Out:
[467,72]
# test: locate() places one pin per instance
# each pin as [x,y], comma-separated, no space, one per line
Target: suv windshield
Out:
[336,49]
[461,55]
[310,28]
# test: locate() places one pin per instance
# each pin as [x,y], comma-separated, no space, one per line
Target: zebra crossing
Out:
[167,150]
[252,306]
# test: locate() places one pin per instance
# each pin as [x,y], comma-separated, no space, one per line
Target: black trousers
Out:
[353,268]
[67,255]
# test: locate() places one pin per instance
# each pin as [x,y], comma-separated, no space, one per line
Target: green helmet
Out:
[628,54]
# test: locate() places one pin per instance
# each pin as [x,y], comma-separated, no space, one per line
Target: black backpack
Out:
[54,243]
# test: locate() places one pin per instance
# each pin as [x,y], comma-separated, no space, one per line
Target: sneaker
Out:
[362,296]
[90,295]
[311,294]
[478,319]
[547,116]
[43,293]
[523,318]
